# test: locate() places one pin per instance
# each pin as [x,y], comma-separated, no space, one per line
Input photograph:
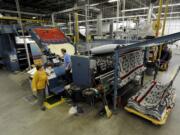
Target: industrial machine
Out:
[113,66]
[94,74]
[86,69]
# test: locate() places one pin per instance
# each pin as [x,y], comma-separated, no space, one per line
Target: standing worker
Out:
[166,56]
[67,65]
[39,83]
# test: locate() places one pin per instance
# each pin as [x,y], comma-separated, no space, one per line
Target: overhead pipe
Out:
[131,16]
[22,19]
[75,9]
[72,10]
[25,13]
[146,8]
[83,15]
[67,10]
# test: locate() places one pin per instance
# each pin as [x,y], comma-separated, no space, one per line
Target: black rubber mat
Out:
[52,100]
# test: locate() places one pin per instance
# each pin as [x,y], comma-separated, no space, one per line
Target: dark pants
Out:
[41,98]
[68,76]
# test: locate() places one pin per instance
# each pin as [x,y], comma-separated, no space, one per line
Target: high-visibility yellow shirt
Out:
[39,80]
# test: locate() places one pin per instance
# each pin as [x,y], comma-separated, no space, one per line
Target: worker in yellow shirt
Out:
[39,83]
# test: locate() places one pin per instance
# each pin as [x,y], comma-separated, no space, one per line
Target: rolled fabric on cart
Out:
[153,99]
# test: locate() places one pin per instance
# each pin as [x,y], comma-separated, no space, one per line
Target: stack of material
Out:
[50,35]
[132,65]
[153,100]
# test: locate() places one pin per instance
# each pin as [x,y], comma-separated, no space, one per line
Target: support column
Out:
[159,17]
[52,19]
[116,76]
[99,24]
[164,25]
[76,31]
[117,16]
[111,29]
[70,28]
[87,28]
[150,13]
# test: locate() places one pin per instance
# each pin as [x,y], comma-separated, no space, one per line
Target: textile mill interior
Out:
[89,67]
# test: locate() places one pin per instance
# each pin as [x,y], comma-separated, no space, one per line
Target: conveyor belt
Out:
[155,42]
[148,43]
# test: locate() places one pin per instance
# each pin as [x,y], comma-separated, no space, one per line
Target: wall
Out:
[106,26]
[173,26]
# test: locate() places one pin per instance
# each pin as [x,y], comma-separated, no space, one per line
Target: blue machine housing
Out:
[8,52]
[82,71]
[56,85]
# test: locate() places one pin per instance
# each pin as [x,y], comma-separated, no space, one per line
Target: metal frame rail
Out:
[148,43]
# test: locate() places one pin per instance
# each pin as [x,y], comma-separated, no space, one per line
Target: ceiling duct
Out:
[81,2]
[153,1]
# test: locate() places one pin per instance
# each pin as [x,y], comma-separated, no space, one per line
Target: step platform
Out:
[53,101]
[154,121]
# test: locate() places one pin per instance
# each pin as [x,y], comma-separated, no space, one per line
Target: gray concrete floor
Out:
[18,117]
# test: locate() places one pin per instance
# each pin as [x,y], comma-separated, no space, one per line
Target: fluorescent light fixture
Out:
[135,9]
[92,5]
[112,1]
